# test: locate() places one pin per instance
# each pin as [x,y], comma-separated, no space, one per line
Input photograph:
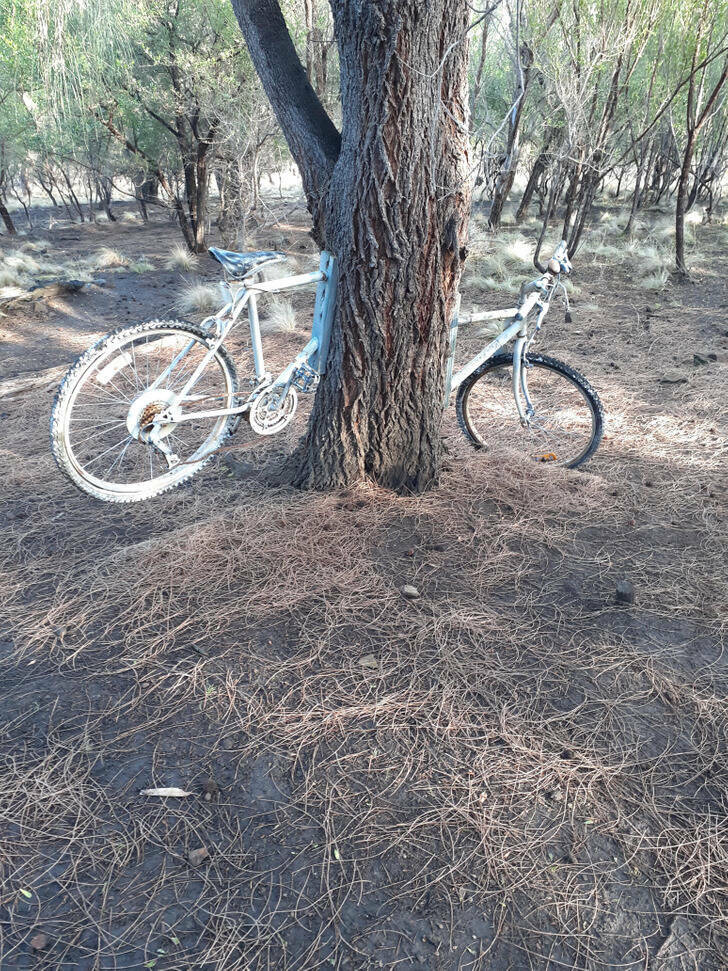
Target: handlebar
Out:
[561,255]
[559,263]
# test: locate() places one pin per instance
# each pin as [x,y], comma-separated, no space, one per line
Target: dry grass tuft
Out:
[518,252]
[20,262]
[601,250]
[198,297]
[10,277]
[276,271]
[108,258]
[142,265]
[656,280]
[280,316]
[180,258]
[130,217]
[503,284]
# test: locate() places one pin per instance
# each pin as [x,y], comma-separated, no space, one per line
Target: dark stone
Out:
[624,592]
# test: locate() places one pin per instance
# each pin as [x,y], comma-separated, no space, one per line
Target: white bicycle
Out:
[147,407]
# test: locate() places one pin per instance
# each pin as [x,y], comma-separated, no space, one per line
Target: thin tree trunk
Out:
[640,175]
[308,13]
[48,189]
[680,206]
[72,196]
[539,167]
[507,174]
[478,83]
[203,186]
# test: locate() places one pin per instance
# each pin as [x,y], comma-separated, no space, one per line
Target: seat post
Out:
[255,340]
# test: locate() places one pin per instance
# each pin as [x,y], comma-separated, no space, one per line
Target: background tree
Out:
[704,87]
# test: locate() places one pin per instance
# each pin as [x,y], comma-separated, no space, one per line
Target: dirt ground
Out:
[510,771]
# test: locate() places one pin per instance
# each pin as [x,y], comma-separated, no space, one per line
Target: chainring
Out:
[268,416]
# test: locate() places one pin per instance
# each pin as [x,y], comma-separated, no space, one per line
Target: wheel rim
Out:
[561,430]
[111,403]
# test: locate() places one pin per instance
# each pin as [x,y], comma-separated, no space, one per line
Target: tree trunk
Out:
[680,206]
[507,174]
[636,198]
[478,83]
[72,196]
[392,205]
[7,219]
[539,167]
[308,14]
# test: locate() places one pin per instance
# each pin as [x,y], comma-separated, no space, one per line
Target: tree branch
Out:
[312,137]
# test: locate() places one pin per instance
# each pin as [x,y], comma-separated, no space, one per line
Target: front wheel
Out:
[565,427]
[108,402]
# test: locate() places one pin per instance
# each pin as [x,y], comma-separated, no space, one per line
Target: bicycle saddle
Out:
[240,265]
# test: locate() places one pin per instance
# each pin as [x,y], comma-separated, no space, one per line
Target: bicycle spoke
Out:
[103,431]
[107,450]
[120,457]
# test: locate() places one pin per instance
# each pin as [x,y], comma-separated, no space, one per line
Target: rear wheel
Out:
[107,404]
[567,423]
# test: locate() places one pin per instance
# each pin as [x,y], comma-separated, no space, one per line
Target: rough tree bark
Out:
[390,198]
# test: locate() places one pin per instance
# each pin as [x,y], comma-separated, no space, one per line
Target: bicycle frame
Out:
[310,363]
[516,330]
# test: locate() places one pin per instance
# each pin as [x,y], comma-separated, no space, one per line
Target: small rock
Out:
[210,788]
[624,593]
[673,377]
[369,661]
[39,941]
[196,857]
[410,592]
[699,359]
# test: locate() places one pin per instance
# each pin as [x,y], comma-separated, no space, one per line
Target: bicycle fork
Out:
[524,405]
